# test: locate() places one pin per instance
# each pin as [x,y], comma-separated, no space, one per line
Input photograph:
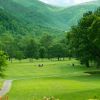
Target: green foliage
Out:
[46,40]
[42,52]
[57,50]
[3,63]
[19,55]
[42,16]
[31,50]
[35,17]
[10,24]
[85,38]
[22,21]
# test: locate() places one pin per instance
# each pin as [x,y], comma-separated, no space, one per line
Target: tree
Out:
[31,49]
[3,63]
[85,38]
[42,52]
[19,55]
[8,44]
[57,50]
[46,40]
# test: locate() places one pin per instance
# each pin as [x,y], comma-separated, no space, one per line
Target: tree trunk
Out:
[87,64]
[10,59]
[58,58]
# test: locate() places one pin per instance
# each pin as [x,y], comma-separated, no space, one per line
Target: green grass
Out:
[25,69]
[57,78]
[61,88]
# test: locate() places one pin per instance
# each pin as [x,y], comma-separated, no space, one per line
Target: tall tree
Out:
[42,52]
[57,50]
[85,38]
[46,40]
[31,49]
[8,44]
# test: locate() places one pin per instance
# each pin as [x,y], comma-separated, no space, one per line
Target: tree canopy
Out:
[84,38]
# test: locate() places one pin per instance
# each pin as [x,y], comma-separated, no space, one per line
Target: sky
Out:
[65,2]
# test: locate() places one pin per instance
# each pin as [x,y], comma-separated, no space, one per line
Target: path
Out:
[6,87]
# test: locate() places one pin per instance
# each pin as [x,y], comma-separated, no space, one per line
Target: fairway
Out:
[56,78]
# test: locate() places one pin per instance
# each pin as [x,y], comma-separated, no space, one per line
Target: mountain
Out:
[35,17]
[39,17]
[31,11]
[70,16]
[10,24]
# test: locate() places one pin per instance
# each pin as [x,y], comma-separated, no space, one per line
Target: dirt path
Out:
[6,87]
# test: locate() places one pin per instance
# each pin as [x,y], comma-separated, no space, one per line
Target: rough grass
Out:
[57,78]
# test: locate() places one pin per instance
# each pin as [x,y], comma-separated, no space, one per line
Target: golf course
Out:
[49,49]
[56,79]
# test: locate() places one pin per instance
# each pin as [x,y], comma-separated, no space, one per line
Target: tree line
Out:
[81,42]
[23,47]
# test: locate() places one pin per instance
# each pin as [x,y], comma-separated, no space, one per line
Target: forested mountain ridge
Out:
[40,16]
[37,14]
[15,26]
[10,24]
[73,14]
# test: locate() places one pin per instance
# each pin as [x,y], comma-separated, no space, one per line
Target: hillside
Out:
[71,15]
[32,12]
[40,16]
[8,23]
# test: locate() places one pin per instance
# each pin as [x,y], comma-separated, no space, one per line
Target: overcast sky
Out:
[65,2]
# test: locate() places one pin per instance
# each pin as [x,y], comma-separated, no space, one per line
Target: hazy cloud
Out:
[64,2]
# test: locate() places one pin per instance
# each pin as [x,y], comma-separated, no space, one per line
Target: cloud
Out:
[81,1]
[64,2]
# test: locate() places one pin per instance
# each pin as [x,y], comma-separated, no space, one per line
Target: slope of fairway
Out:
[25,69]
[57,78]
[61,88]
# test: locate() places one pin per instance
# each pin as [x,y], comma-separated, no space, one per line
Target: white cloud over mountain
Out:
[64,2]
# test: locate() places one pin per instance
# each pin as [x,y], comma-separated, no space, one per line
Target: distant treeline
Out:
[28,46]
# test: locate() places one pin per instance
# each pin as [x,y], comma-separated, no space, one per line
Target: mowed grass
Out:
[25,69]
[57,78]
[62,88]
